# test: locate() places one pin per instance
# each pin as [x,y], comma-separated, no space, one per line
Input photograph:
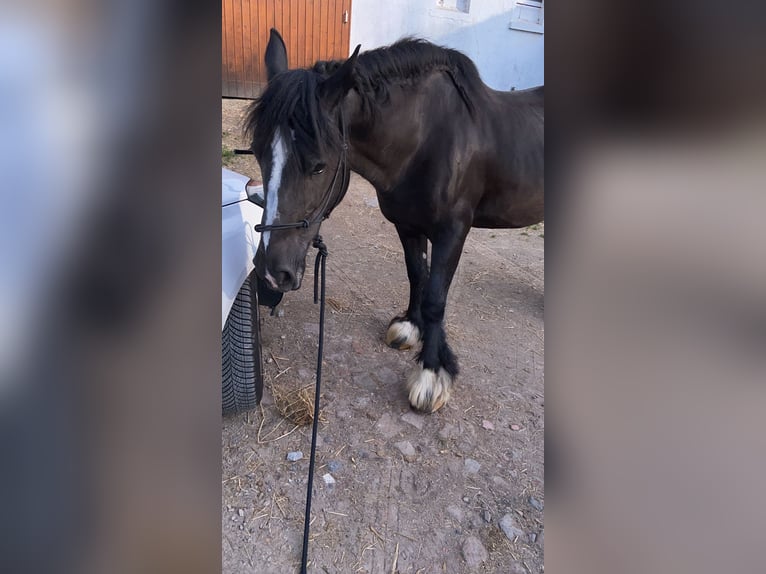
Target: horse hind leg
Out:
[405,331]
[430,383]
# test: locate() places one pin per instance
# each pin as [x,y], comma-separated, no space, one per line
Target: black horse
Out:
[444,152]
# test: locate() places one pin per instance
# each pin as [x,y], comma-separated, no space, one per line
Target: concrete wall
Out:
[506,58]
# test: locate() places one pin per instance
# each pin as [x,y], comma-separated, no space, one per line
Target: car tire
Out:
[241,362]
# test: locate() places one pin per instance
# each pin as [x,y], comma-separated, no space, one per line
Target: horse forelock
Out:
[290,106]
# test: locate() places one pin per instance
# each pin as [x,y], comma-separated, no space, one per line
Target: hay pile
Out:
[296,404]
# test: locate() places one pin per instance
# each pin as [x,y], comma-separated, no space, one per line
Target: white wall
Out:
[506,58]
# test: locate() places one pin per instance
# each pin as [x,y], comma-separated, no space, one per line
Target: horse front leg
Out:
[405,331]
[430,383]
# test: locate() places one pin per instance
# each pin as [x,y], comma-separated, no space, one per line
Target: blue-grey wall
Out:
[506,58]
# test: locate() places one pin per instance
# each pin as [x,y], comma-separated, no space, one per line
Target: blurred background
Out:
[109,287]
[656,318]
[656,307]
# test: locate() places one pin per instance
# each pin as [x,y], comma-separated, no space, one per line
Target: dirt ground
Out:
[457,491]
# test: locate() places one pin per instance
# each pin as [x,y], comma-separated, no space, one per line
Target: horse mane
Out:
[291,98]
[406,62]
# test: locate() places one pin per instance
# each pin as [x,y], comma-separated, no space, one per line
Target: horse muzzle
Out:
[280,274]
[283,279]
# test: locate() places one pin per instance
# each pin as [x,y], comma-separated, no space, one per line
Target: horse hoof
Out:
[429,390]
[402,335]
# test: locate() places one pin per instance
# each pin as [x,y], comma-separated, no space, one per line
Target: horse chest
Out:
[403,208]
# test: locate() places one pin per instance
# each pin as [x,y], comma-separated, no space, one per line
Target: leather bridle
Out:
[324,210]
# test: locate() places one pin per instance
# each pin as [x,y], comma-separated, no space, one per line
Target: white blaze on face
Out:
[278,161]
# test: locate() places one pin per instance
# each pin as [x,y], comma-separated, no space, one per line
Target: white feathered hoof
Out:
[402,335]
[429,390]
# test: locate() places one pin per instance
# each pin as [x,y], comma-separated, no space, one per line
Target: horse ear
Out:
[332,89]
[276,55]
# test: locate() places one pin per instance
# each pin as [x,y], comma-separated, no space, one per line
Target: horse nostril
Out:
[284,278]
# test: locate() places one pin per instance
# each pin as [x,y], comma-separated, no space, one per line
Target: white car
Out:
[242,368]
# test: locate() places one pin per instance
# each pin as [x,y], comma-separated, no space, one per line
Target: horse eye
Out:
[318,168]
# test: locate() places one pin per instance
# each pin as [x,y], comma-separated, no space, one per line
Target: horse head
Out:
[297,134]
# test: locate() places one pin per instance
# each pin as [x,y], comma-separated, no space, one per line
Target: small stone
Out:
[536,504]
[241,512]
[510,528]
[500,481]
[364,381]
[387,426]
[283,337]
[363,453]
[474,552]
[334,466]
[515,427]
[471,466]
[406,448]
[280,312]
[414,419]
[455,513]
[448,431]
[487,516]
[387,376]
[533,537]
[342,414]
[269,360]
[466,499]
[294,456]
[328,479]
[487,425]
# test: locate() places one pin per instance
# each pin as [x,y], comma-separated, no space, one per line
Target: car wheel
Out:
[241,361]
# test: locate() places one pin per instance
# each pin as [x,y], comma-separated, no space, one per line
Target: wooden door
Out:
[312,29]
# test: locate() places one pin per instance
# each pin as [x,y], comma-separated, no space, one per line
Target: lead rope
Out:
[319,296]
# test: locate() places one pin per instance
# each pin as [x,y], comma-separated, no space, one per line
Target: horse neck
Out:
[366,141]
